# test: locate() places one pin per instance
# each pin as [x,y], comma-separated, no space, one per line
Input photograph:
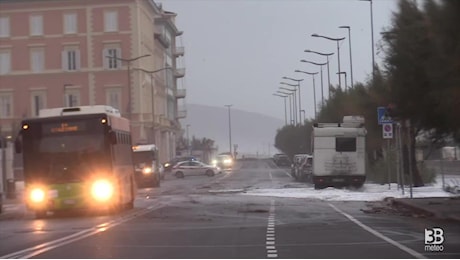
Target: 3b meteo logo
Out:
[434,237]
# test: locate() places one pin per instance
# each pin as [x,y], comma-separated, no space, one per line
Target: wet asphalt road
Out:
[212,217]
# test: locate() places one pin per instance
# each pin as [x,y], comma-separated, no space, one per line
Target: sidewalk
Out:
[440,207]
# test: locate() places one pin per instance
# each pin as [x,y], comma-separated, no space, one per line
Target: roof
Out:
[80,110]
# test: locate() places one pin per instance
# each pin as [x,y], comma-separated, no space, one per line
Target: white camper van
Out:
[339,154]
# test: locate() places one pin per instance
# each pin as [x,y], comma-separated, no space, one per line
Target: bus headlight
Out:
[102,190]
[147,170]
[37,195]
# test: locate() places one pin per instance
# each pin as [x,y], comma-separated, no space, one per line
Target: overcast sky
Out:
[237,51]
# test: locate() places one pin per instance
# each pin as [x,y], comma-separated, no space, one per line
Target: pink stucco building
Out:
[58,53]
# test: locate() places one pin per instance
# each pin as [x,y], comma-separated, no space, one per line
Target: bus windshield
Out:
[61,152]
[85,143]
[144,157]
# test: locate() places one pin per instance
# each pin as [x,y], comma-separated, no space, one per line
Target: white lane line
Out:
[379,235]
[47,246]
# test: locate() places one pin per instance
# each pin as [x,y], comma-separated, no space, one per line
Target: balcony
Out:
[180,93]
[179,51]
[162,39]
[179,72]
[164,122]
[181,114]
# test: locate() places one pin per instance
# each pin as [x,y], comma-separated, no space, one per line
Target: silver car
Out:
[188,168]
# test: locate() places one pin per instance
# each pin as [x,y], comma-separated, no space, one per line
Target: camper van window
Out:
[345,144]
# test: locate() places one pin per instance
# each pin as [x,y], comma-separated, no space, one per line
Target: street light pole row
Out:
[300,105]
[229,129]
[285,109]
[338,50]
[314,88]
[288,94]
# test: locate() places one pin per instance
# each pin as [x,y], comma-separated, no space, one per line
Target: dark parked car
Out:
[282,160]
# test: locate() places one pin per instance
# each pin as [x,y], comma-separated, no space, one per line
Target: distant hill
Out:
[253,132]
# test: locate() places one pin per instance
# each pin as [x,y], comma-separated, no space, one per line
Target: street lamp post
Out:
[345,73]
[151,72]
[372,39]
[285,109]
[314,88]
[328,73]
[303,111]
[321,70]
[298,85]
[338,50]
[289,94]
[229,129]
[349,45]
[188,142]
[295,99]
[129,77]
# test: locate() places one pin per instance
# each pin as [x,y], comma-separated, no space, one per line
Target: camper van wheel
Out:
[358,185]
[319,186]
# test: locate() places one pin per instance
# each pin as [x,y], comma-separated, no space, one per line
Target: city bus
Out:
[77,158]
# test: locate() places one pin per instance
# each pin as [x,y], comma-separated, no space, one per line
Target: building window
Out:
[71,59]
[110,21]
[6,107]
[113,97]
[38,102]
[36,25]
[4,26]
[37,58]
[70,23]
[112,63]
[72,99]
[5,62]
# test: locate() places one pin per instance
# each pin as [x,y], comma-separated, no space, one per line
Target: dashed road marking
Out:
[270,236]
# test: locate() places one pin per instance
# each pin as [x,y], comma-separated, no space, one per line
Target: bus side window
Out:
[113,137]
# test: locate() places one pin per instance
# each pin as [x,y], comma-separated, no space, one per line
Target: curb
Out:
[424,210]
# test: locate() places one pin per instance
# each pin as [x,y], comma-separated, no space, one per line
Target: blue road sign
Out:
[383,117]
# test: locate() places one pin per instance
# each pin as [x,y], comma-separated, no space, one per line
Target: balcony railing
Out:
[180,93]
[181,114]
[162,39]
[179,51]
[179,72]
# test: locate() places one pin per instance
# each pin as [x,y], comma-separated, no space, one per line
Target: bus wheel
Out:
[39,214]
[130,205]
[157,182]
[179,174]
